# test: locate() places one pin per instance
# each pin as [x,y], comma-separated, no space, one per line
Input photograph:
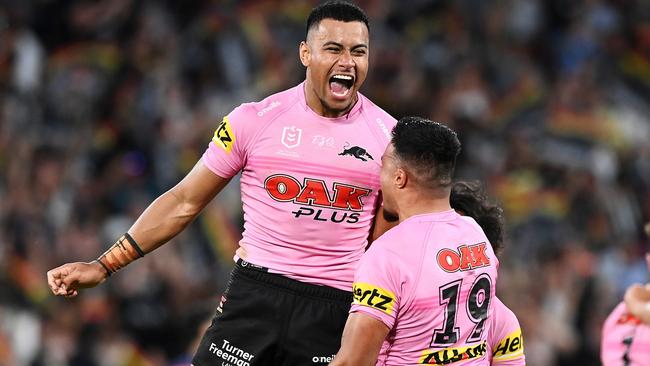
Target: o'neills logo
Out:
[450,355]
[464,258]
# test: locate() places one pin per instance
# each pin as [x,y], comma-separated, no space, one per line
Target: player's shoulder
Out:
[267,109]
[378,116]
[373,109]
[471,229]
[503,315]
[396,243]
[505,337]
[470,222]
[396,233]
[382,245]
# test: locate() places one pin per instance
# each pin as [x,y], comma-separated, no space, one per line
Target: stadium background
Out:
[105,104]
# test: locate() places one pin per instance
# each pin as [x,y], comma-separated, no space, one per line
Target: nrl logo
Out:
[291,137]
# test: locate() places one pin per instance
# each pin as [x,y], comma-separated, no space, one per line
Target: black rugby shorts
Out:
[269,319]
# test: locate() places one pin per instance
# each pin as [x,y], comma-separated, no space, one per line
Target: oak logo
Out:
[510,347]
[375,297]
[314,192]
[223,136]
[464,258]
[450,355]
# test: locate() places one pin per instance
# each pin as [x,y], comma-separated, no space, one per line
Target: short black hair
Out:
[429,149]
[469,199]
[337,10]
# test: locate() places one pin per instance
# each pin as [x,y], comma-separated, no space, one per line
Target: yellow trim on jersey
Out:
[223,136]
[509,348]
[451,355]
[373,296]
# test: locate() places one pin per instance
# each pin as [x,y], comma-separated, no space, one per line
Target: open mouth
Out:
[341,84]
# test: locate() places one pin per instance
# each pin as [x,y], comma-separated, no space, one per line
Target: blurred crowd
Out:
[105,104]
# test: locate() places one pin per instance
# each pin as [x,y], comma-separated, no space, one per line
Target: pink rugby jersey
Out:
[431,280]
[625,340]
[309,183]
[505,341]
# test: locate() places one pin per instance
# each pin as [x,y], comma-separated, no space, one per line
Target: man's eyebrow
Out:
[332,43]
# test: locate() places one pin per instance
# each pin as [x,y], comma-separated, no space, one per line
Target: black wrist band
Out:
[108,272]
[133,243]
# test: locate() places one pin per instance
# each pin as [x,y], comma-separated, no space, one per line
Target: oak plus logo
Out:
[291,137]
[344,200]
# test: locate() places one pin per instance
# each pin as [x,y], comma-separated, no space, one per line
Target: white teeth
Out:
[342,77]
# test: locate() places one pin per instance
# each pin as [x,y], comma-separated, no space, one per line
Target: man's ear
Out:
[305,54]
[401,178]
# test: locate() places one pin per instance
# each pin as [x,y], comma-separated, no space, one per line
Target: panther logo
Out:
[356,151]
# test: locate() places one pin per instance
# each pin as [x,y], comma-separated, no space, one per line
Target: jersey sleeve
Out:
[505,338]
[227,151]
[377,286]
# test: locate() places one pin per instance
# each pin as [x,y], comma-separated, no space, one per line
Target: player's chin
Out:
[339,104]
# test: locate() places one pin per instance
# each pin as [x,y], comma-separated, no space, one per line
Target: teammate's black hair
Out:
[337,10]
[428,149]
[469,199]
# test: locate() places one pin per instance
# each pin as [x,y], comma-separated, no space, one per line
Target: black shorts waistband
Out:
[260,274]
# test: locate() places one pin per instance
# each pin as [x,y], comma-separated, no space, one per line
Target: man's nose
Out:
[346,59]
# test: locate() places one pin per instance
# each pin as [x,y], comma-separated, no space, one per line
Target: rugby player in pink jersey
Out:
[309,159]
[505,344]
[626,332]
[424,291]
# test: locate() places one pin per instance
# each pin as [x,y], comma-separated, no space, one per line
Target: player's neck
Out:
[419,205]
[319,107]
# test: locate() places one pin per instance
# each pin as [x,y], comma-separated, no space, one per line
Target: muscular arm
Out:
[167,216]
[361,341]
[170,213]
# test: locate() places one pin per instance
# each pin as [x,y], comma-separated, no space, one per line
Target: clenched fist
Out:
[67,279]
